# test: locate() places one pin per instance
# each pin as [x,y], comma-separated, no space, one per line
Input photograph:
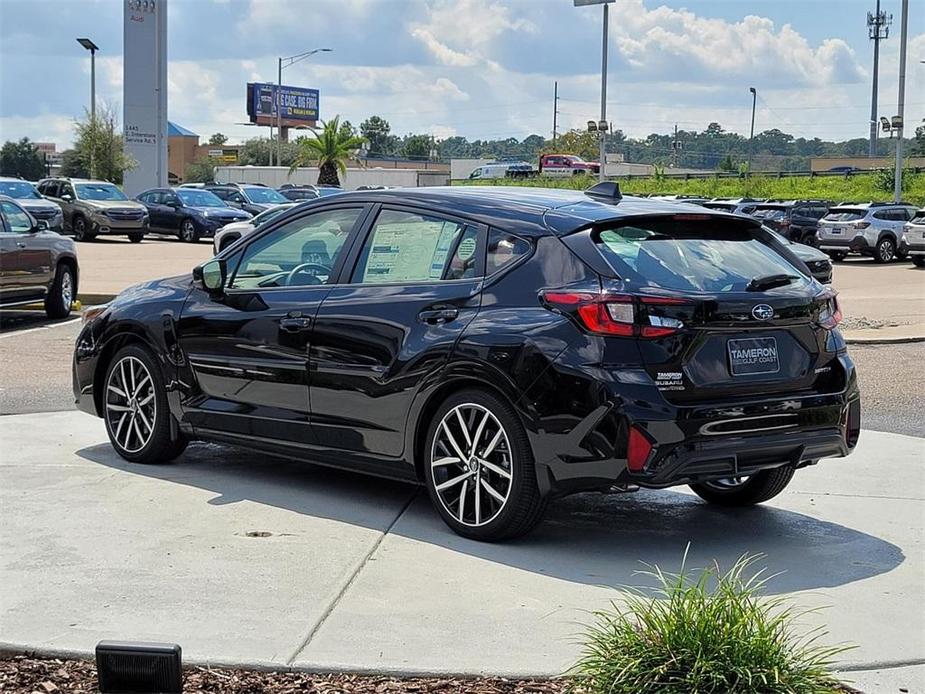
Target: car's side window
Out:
[504,248]
[408,247]
[17,220]
[66,189]
[169,199]
[301,252]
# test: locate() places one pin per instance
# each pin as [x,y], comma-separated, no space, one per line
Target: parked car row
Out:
[880,230]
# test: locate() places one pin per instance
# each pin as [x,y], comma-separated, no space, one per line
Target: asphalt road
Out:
[35,373]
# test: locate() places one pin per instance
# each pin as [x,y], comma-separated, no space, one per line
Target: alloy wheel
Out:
[188,231]
[67,288]
[886,251]
[131,405]
[80,229]
[471,465]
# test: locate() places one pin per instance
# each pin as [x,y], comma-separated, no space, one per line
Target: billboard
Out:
[298,106]
[144,93]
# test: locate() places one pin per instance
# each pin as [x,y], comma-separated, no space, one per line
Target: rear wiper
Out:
[759,284]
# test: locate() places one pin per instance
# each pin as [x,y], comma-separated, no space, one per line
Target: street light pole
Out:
[291,60]
[751,134]
[603,154]
[93,48]
[898,173]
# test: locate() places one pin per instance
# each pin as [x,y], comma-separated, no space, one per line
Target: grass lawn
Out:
[855,188]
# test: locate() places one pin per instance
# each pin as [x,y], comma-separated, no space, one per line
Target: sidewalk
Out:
[251,561]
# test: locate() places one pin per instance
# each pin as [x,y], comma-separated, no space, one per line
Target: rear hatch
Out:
[842,223]
[719,308]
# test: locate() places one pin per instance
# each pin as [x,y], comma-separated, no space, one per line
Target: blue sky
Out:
[478,68]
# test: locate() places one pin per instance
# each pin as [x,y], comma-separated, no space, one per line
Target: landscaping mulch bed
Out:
[51,676]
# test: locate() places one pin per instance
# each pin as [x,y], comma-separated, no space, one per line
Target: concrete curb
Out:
[899,340]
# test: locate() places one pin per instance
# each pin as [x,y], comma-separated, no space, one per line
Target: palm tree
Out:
[330,148]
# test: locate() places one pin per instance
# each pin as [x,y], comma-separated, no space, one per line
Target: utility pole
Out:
[555,111]
[93,48]
[675,147]
[878,28]
[898,173]
[751,134]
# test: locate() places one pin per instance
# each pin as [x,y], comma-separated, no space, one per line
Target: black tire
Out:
[837,256]
[188,231]
[62,293]
[885,251]
[159,447]
[136,238]
[523,506]
[757,488]
[918,260]
[82,229]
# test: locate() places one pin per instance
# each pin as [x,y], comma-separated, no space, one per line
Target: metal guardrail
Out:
[760,174]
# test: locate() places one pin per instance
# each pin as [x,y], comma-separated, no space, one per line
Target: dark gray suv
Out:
[36,264]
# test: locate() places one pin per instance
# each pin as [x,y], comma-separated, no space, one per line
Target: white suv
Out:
[915,238]
[872,229]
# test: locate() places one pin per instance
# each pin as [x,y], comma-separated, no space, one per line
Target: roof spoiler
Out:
[605,191]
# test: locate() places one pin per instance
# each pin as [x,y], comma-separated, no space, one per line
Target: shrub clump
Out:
[703,631]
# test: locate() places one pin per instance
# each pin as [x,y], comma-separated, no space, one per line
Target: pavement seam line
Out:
[303,644]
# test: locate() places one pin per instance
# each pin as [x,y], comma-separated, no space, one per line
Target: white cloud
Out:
[466,29]
[663,42]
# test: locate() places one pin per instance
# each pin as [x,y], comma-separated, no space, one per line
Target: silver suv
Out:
[92,208]
[915,238]
[872,229]
[27,197]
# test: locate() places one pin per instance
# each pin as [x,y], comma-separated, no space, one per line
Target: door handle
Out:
[20,244]
[295,324]
[438,315]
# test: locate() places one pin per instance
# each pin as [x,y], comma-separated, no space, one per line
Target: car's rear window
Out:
[698,256]
[844,215]
[725,206]
[919,217]
[770,213]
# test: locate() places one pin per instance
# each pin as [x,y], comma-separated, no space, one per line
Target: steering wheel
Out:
[304,269]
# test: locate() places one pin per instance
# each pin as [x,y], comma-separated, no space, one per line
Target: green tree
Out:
[416,146]
[580,142]
[21,159]
[919,147]
[727,164]
[330,149]
[200,171]
[72,165]
[99,145]
[377,133]
[218,139]
[256,152]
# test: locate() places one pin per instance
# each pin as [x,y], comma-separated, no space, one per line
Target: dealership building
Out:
[183,149]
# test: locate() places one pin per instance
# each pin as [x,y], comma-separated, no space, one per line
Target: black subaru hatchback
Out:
[501,346]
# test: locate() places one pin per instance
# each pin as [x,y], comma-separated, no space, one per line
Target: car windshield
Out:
[192,197]
[697,256]
[263,195]
[269,215]
[844,215]
[20,190]
[99,191]
[770,213]
[324,192]
[301,194]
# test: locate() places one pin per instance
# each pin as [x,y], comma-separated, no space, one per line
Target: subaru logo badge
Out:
[763,312]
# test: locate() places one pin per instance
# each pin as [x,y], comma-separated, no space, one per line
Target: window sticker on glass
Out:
[408,248]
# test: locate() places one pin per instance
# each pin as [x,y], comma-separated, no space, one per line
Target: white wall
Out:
[275,176]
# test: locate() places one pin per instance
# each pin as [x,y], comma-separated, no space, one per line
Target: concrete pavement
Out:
[249,560]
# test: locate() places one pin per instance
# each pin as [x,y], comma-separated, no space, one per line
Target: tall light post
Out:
[904,35]
[606,3]
[93,48]
[751,133]
[291,60]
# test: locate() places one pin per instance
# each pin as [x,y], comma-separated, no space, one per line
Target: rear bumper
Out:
[858,244]
[690,443]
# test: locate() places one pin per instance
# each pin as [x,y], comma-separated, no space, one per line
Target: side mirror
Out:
[66,197]
[211,276]
[40,225]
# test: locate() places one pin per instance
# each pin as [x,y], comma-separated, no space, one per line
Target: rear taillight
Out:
[637,450]
[830,313]
[617,314]
[861,225]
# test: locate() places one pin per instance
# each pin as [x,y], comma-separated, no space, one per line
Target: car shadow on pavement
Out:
[586,538]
